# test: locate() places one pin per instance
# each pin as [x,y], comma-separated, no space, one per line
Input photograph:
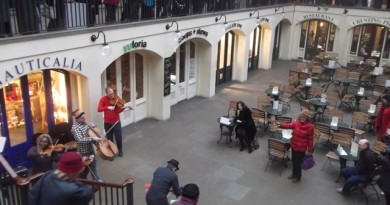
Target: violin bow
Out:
[111,128]
[121,94]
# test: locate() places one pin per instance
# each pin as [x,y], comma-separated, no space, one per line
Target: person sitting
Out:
[190,195]
[41,156]
[246,128]
[363,51]
[361,171]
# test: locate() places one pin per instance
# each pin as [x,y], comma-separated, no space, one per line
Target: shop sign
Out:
[134,45]
[193,32]
[371,20]
[23,68]
[234,25]
[318,16]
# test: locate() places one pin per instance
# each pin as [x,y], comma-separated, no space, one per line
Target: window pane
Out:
[15,112]
[125,71]
[60,100]
[139,75]
[37,102]
[111,76]
[222,52]
[173,69]
[387,45]
[182,62]
[257,41]
[191,70]
[229,50]
[332,34]
[303,35]
[355,40]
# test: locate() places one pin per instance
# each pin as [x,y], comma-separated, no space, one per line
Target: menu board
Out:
[167,76]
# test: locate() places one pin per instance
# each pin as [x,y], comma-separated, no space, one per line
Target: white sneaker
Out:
[382,193]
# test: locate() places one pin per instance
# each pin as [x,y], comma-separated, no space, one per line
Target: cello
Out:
[105,148]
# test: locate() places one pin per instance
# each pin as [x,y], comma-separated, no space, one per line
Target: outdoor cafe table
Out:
[230,128]
[339,124]
[279,136]
[345,158]
[275,96]
[358,97]
[275,112]
[330,70]
[316,102]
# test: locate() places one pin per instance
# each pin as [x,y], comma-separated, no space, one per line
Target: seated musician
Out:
[84,142]
[42,155]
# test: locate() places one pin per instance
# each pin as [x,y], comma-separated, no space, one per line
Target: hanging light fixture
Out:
[104,49]
[177,32]
[224,23]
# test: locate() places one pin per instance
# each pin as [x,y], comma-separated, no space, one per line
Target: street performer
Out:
[111,105]
[84,143]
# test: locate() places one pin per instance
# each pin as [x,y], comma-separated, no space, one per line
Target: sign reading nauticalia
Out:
[23,68]
[371,20]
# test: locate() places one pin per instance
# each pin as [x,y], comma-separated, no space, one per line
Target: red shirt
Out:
[110,116]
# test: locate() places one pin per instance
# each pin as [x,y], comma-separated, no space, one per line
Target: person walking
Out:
[112,124]
[60,187]
[245,126]
[84,143]
[382,120]
[301,142]
[164,178]
[384,180]
[111,6]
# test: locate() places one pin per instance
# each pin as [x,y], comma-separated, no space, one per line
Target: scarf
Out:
[188,200]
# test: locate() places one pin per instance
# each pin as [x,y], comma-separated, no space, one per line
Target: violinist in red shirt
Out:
[112,106]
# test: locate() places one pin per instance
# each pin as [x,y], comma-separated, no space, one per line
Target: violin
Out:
[58,148]
[117,102]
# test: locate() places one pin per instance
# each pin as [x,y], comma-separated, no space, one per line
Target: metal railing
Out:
[12,192]
[20,17]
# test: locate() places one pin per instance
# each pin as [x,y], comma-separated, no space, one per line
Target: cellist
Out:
[112,106]
[84,142]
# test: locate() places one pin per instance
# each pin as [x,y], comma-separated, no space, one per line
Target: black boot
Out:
[250,149]
[242,148]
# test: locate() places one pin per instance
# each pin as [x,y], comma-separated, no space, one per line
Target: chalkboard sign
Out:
[167,76]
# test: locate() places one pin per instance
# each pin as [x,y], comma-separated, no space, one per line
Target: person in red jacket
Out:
[112,118]
[382,121]
[301,141]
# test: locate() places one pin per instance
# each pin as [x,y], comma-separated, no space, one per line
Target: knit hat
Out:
[174,162]
[71,162]
[191,191]
[305,114]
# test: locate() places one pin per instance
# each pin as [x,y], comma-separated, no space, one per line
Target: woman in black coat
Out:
[246,128]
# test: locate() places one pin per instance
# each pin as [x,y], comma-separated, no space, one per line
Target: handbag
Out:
[48,11]
[307,162]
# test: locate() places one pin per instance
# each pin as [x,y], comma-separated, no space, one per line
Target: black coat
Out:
[366,162]
[384,181]
[246,123]
[163,179]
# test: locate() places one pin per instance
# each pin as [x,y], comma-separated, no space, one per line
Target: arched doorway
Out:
[316,36]
[225,58]
[127,76]
[35,103]
[375,37]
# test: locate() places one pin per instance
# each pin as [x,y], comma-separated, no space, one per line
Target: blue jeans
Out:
[117,131]
[352,178]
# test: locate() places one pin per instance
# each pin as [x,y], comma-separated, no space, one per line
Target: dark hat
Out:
[386,97]
[71,162]
[191,191]
[174,162]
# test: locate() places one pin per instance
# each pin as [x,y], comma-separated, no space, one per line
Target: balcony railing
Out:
[21,17]
[14,193]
